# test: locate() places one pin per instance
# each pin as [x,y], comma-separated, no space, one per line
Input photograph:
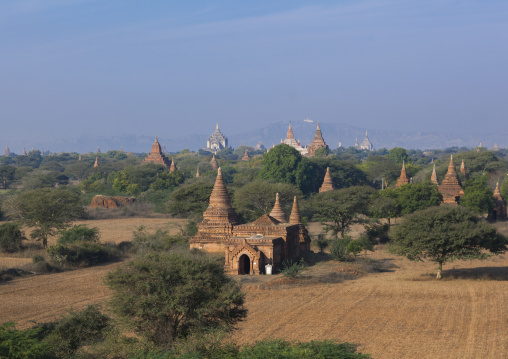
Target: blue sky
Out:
[77,67]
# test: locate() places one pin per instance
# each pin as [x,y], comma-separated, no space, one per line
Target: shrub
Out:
[159,240]
[293,269]
[378,232]
[23,344]
[76,329]
[11,237]
[37,258]
[81,254]
[338,249]
[79,233]
[354,247]
[322,243]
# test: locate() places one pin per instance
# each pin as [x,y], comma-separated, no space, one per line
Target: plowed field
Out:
[402,313]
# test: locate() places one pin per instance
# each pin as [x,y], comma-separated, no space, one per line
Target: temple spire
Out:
[197,173]
[214,163]
[7,151]
[172,167]
[463,169]
[327,182]
[245,155]
[295,217]
[403,179]
[433,178]
[24,152]
[96,164]
[277,211]
[219,210]
[451,188]
[290,135]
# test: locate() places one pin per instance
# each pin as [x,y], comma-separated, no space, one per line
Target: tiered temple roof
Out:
[217,141]
[156,156]
[403,179]
[245,155]
[366,144]
[214,163]
[277,211]
[290,141]
[317,142]
[327,182]
[219,210]
[433,178]
[295,217]
[451,188]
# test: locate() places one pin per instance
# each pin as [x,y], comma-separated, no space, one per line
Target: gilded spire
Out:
[433,178]
[219,210]
[172,167]
[295,218]
[403,176]
[327,182]
[96,164]
[214,163]
[277,211]
[217,127]
[290,134]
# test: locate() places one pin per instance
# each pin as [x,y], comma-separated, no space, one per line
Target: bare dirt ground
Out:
[399,313]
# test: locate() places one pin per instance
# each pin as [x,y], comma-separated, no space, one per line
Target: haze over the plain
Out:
[105,68]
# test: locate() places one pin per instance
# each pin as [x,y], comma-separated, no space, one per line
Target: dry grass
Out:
[402,312]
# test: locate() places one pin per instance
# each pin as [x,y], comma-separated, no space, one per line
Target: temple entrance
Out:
[244,264]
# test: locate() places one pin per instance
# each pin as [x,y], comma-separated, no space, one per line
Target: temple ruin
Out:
[248,248]
[451,188]
[156,156]
[499,212]
[317,142]
[403,179]
[327,182]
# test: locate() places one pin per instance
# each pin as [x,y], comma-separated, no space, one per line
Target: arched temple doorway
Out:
[244,264]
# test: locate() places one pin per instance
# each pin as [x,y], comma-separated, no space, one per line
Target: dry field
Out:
[400,313]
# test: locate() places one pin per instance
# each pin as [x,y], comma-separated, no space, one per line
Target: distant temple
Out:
[96,164]
[463,170]
[217,141]
[214,163]
[24,152]
[499,212]
[317,142]
[290,141]
[7,151]
[156,156]
[245,155]
[433,177]
[327,182]
[248,248]
[260,146]
[366,144]
[172,167]
[451,188]
[403,179]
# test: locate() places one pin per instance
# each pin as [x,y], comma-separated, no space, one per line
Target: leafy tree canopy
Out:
[170,295]
[478,197]
[280,164]
[398,155]
[443,234]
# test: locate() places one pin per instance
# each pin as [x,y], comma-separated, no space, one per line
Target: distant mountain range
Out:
[272,134]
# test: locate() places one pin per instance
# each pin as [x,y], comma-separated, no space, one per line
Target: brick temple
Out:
[317,142]
[249,247]
[451,188]
[403,179]
[156,156]
[327,182]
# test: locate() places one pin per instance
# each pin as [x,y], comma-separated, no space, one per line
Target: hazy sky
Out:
[175,68]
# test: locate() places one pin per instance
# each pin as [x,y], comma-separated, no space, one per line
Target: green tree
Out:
[322,152]
[398,155]
[11,237]
[191,198]
[257,198]
[339,209]
[168,181]
[443,234]
[7,175]
[170,295]
[79,233]
[383,207]
[47,210]
[280,164]
[477,195]
[417,196]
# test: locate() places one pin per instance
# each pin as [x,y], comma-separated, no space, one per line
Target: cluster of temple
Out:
[319,142]
[451,188]
[249,248]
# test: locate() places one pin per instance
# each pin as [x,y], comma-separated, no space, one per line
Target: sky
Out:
[174,68]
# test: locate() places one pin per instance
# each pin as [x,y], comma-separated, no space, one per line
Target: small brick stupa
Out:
[317,142]
[156,156]
[451,188]
[197,173]
[96,164]
[499,212]
[7,152]
[303,234]
[172,167]
[245,156]
[214,163]
[463,170]
[277,211]
[433,178]
[403,176]
[24,152]
[327,182]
